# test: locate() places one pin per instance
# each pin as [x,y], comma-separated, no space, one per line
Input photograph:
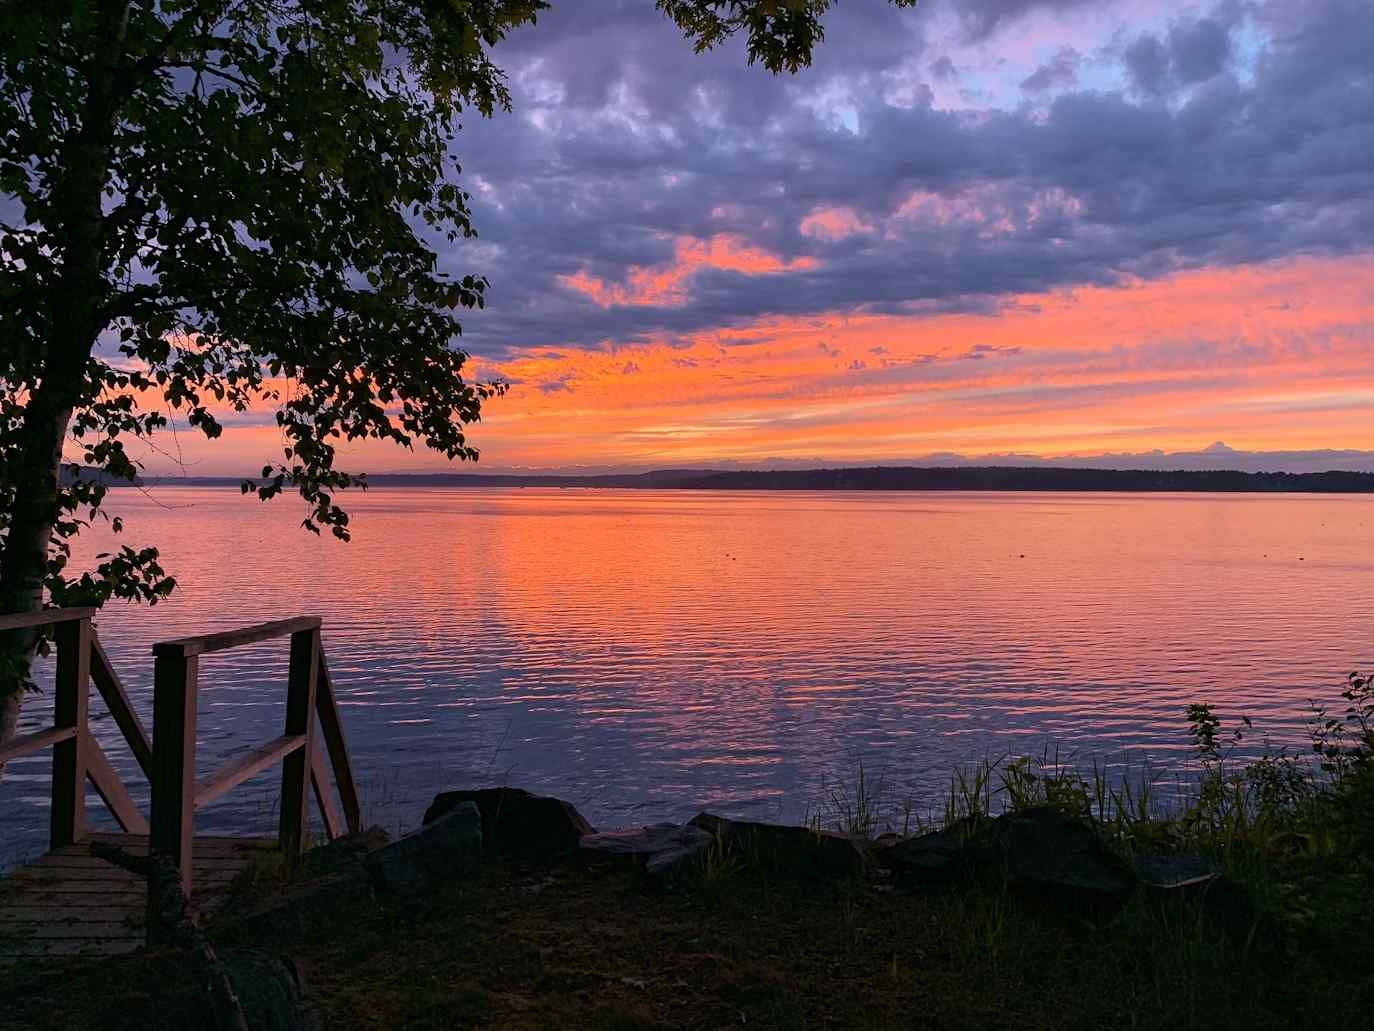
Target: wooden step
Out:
[69,902]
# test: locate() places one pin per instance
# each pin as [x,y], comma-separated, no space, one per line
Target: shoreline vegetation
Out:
[1035,894]
[867,478]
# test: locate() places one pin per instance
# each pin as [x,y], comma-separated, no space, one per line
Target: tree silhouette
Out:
[210,204]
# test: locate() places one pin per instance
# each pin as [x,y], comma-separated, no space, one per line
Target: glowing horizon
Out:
[1047,229]
[1069,374]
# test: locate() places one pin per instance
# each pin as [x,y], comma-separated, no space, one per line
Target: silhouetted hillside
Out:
[1035,478]
[992,477]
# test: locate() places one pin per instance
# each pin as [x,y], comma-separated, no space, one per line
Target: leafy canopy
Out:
[211,205]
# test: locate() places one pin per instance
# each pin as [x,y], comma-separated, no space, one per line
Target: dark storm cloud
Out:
[623,142]
[982,18]
[1193,51]
[1199,50]
[1147,62]
[1061,71]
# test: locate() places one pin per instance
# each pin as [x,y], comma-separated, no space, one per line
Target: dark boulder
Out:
[941,857]
[1185,874]
[1050,856]
[294,909]
[255,989]
[1196,886]
[448,844]
[1042,853]
[517,822]
[659,848]
[344,853]
[793,851]
[270,991]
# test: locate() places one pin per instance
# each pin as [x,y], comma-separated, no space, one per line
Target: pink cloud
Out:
[832,224]
[667,285]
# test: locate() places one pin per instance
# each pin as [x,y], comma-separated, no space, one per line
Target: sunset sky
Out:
[982,227]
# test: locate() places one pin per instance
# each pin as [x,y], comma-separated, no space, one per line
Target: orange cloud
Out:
[833,224]
[984,209]
[1276,356]
[666,285]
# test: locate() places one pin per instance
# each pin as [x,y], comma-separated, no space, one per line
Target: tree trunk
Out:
[75,318]
[24,560]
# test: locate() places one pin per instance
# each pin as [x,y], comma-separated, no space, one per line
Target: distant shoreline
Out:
[876,478]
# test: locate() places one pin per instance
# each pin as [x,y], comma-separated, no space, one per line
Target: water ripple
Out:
[647,653]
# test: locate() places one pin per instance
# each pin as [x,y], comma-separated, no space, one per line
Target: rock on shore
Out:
[518,823]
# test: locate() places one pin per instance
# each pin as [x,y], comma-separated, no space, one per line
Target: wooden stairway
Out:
[69,901]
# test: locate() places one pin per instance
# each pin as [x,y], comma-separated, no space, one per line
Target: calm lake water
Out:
[647,654]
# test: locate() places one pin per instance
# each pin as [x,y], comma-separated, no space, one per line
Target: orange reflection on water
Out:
[648,653]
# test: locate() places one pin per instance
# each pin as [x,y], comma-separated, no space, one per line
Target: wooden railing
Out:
[169,758]
[177,794]
[76,755]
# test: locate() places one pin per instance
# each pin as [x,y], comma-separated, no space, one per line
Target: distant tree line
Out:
[985,478]
[1054,478]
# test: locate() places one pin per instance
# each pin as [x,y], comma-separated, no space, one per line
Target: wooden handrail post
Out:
[70,702]
[331,729]
[300,719]
[174,767]
[111,689]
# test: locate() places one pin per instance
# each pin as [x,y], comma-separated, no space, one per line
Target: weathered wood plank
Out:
[111,689]
[26,744]
[331,729]
[71,697]
[56,881]
[79,880]
[187,646]
[40,870]
[43,617]
[302,676]
[236,771]
[87,930]
[319,780]
[41,949]
[204,857]
[207,853]
[72,866]
[29,910]
[53,908]
[111,789]
[138,843]
[59,891]
[210,850]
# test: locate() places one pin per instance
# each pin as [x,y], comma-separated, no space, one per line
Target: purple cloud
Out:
[1175,151]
